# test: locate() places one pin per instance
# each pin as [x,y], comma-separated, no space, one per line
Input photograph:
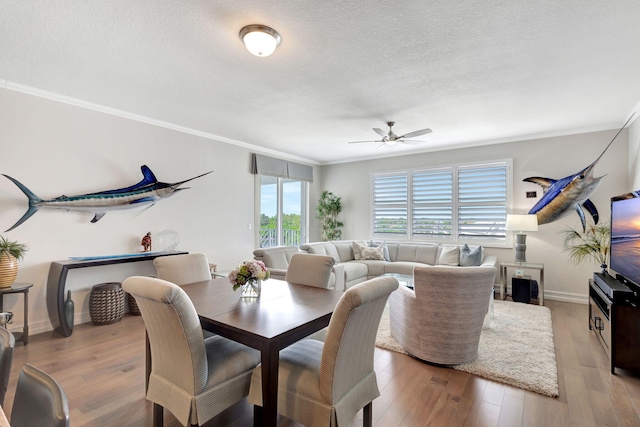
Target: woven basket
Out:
[106,303]
[133,305]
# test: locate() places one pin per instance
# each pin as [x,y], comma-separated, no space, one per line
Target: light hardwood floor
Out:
[101,369]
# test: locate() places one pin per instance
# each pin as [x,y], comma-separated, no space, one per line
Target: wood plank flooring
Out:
[101,368]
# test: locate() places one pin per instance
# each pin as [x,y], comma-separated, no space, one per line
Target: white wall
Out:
[55,149]
[634,156]
[551,157]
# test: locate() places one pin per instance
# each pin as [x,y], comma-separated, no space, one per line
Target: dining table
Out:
[283,314]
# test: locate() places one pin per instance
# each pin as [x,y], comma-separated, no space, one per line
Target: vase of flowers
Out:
[248,278]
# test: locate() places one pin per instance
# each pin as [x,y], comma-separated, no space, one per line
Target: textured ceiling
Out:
[474,72]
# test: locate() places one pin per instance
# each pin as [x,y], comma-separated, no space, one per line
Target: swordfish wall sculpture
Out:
[569,193]
[146,193]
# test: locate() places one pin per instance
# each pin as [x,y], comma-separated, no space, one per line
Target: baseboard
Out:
[555,295]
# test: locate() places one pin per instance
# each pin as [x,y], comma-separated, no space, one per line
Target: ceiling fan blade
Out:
[381,145]
[412,142]
[359,142]
[416,133]
[380,132]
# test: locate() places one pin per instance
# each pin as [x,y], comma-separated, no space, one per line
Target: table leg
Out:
[503,283]
[25,328]
[270,363]
[541,290]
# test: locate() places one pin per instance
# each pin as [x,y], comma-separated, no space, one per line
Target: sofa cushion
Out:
[344,250]
[450,255]
[402,267]
[470,257]
[354,270]
[424,253]
[375,268]
[323,248]
[276,257]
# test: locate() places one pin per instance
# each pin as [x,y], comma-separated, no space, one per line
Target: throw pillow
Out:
[385,249]
[372,253]
[357,249]
[470,258]
[450,255]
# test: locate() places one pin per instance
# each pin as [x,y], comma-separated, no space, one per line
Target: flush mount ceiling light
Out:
[260,40]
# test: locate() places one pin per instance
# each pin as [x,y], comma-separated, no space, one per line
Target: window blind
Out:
[390,204]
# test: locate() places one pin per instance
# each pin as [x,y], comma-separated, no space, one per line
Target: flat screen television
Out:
[625,238]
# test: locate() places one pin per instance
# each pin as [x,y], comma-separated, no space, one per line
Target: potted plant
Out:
[593,243]
[329,207]
[10,253]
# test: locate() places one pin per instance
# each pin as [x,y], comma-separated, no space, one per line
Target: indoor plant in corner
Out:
[10,253]
[592,243]
[329,207]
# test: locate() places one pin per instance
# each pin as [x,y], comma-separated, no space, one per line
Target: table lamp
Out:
[520,223]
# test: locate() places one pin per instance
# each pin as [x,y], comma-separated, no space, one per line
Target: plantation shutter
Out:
[390,204]
[432,196]
[482,202]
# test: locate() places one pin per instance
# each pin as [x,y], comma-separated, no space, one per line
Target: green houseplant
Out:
[10,253]
[328,209]
[592,243]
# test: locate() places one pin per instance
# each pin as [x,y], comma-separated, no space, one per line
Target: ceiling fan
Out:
[390,138]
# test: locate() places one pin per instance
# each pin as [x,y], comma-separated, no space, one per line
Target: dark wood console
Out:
[614,316]
[58,278]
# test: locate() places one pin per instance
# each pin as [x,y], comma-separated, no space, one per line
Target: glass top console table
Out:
[504,266]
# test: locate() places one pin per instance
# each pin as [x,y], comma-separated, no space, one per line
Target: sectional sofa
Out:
[357,261]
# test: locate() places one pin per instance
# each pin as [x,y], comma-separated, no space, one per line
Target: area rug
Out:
[517,349]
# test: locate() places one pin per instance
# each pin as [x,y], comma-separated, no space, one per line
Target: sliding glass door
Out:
[282,211]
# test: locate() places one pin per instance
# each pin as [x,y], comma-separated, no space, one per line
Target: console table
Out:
[525,266]
[58,278]
[19,288]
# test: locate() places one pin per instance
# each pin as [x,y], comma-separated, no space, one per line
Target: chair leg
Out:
[157,415]
[257,415]
[367,415]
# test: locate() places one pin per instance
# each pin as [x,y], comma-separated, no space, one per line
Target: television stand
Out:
[614,316]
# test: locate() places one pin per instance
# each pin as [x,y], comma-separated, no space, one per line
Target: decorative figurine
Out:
[146,242]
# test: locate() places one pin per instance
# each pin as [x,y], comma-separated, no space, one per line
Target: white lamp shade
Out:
[260,40]
[522,222]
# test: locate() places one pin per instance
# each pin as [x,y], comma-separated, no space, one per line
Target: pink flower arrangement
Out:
[248,272]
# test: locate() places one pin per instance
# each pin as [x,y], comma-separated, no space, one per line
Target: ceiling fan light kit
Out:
[260,40]
[390,138]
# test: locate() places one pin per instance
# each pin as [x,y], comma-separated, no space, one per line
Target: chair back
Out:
[178,354]
[310,270]
[452,303]
[347,356]
[7,343]
[183,269]
[39,400]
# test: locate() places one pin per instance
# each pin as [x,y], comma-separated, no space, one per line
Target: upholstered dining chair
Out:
[183,269]
[193,377]
[440,320]
[39,400]
[310,270]
[326,384]
[7,344]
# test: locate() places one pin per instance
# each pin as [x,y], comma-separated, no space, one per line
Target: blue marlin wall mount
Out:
[146,193]
[569,193]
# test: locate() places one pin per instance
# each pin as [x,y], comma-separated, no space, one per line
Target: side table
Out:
[19,288]
[521,265]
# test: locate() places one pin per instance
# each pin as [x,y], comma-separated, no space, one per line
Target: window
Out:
[454,203]
[282,200]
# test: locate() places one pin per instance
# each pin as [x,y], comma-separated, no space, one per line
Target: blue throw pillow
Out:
[385,249]
[470,258]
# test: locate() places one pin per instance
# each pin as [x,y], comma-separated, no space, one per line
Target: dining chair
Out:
[7,344]
[193,377]
[326,384]
[440,321]
[183,269]
[39,400]
[310,270]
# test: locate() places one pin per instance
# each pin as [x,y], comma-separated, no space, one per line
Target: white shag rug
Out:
[517,349]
